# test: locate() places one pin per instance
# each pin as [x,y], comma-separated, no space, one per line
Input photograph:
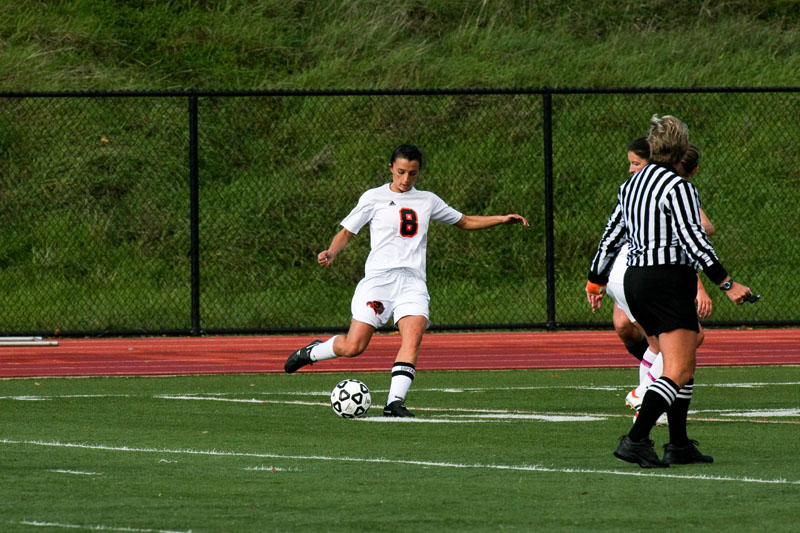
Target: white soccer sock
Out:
[402,376]
[645,372]
[658,367]
[324,350]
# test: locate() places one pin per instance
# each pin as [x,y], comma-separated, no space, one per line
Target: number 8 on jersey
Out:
[408,222]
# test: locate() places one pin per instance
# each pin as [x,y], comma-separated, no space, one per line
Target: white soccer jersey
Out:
[398,226]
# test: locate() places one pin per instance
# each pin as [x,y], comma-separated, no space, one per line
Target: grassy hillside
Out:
[356,44]
[95,191]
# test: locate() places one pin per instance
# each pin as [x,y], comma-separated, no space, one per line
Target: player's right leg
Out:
[350,345]
[371,307]
[300,358]
[631,336]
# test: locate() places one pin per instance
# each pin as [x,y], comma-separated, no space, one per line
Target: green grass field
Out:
[489,451]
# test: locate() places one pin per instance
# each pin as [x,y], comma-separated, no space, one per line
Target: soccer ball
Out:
[350,398]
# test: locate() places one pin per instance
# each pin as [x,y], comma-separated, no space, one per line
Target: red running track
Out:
[440,351]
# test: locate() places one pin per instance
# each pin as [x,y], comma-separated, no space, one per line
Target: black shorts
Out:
[662,298]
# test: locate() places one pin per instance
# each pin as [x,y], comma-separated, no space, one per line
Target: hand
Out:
[704,304]
[514,219]
[738,293]
[595,300]
[325,258]
[595,293]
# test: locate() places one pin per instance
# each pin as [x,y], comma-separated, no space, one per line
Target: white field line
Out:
[478,416]
[273,469]
[601,387]
[75,472]
[86,527]
[763,416]
[383,460]
[31,398]
[754,412]
[492,415]
[453,390]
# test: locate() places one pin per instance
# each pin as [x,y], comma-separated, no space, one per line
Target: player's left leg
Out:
[411,314]
[412,328]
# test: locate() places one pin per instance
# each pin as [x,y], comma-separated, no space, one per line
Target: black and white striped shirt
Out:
[658,214]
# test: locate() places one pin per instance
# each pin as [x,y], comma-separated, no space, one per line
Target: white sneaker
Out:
[633,401]
[663,420]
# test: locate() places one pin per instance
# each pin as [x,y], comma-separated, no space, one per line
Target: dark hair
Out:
[640,147]
[406,151]
[689,161]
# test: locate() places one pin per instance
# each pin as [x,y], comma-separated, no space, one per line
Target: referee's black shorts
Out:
[662,298]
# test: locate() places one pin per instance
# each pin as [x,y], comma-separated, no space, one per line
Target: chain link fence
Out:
[192,212]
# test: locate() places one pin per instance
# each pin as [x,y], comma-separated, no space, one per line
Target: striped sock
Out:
[645,377]
[402,376]
[658,367]
[658,398]
[677,414]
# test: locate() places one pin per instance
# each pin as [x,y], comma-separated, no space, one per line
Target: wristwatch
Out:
[727,285]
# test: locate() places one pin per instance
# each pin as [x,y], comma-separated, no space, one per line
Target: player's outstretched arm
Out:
[473,222]
[325,257]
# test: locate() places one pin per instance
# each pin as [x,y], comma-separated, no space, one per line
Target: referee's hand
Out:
[738,293]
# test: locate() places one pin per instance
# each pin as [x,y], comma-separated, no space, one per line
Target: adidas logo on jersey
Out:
[391,202]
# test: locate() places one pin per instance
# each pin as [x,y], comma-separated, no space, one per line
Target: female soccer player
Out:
[658,213]
[394,284]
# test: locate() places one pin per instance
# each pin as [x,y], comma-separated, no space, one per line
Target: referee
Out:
[658,214]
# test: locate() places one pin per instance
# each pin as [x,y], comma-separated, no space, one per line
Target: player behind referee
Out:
[658,213]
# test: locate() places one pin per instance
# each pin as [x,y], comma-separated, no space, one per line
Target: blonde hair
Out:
[668,138]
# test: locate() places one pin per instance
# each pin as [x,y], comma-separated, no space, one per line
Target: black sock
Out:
[677,415]
[638,348]
[658,398]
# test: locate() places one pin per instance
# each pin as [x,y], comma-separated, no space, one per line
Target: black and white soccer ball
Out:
[350,398]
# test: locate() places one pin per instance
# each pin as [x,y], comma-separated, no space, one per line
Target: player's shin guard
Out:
[402,376]
[658,398]
[677,414]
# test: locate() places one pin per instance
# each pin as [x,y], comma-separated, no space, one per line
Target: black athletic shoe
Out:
[685,455]
[641,453]
[300,358]
[398,410]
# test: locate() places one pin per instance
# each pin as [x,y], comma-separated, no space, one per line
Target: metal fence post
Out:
[547,104]
[194,214]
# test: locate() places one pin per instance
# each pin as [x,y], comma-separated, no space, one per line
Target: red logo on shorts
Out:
[377,307]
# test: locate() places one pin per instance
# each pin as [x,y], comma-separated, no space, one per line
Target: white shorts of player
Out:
[393,294]
[616,278]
